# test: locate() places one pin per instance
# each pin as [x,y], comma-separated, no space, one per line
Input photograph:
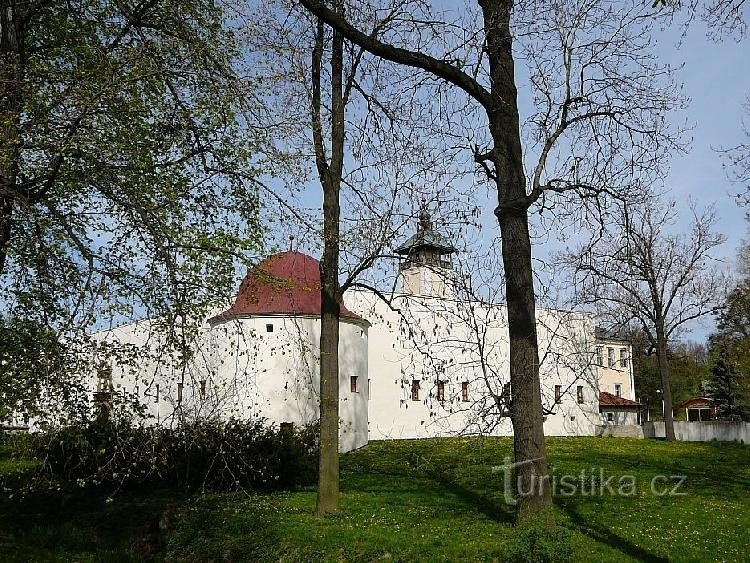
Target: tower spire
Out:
[426,263]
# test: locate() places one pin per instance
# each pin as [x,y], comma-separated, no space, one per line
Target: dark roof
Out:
[695,402]
[283,284]
[426,237]
[610,400]
[605,334]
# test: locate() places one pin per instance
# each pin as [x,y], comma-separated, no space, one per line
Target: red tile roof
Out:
[287,283]
[610,400]
[695,402]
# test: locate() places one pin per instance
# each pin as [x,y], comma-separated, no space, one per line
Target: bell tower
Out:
[426,268]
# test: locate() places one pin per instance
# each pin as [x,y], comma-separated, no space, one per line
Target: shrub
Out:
[232,455]
[539,543]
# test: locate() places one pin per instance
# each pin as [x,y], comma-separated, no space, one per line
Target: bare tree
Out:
[639,271]
[598,119]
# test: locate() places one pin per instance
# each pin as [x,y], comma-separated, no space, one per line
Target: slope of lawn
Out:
[427,500]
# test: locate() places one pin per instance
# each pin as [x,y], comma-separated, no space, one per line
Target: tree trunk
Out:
[666,391]
[507,171]
[526,408]
[11,57]
[328,466]
[532,484]
[330,176]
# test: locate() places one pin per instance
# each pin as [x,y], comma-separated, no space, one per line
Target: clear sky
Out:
[717,80]
[716,77]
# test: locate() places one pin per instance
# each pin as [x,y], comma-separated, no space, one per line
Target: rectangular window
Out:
[610,417]
[579,394]
[441,391]
[179,393]
[269,327]
[353,383]
[465,391]
[369,389]
[618,390]
[558,393]
[624,357]
[611,357]
[203,389]
[415,390]
[599,356]
[156,397]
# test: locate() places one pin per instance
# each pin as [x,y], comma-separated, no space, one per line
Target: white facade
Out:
[434,361]
[261,367]
[425,364]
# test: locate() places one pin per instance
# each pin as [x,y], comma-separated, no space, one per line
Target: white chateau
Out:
[413,364]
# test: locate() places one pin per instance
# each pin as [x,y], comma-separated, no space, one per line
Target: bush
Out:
[539,543]
[233,455]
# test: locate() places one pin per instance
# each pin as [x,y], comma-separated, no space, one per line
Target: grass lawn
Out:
[427,500]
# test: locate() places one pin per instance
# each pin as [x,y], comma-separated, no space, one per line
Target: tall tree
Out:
[353,126]
[330,172]
[128,156]
[593,80]
[642,273]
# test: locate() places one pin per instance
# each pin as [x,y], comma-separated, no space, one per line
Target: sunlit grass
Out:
[428,500]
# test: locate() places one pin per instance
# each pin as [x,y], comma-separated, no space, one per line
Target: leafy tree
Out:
[128,158]
[730,346]
[33,364]
[727,391]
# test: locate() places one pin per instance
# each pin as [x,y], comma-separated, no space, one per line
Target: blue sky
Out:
[716,79]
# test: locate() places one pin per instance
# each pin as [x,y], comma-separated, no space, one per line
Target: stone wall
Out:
[620,431]
[702,431]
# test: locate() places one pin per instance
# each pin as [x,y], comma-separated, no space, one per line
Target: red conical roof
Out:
[283,284]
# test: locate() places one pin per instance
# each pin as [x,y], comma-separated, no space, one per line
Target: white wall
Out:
[246,372]
[702,431]
[431,339]
[617,374]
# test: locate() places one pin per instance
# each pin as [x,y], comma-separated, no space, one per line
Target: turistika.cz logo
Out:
[591,483]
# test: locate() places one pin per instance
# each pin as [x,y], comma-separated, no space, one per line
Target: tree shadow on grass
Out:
[80,525]
[604,535]
[487,506]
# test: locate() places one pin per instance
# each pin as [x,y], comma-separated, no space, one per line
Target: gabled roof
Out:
[610,400]
[287,283]
[426,237]
[695,402]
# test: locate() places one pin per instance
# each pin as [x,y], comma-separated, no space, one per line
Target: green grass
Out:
[428,500]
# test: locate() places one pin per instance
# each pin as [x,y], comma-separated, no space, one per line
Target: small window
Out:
[415,390]
[353,384]
[156,397]
[558,394]
[618,390]
[465,391]
[610,417]
[579,394]
[610,357]
[179,393]
[269,327]
[441,391]
[599,356]
[624,357]
[362,334]
[203,389]
[369,387]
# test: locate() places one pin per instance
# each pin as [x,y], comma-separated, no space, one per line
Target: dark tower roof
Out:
[426,238]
